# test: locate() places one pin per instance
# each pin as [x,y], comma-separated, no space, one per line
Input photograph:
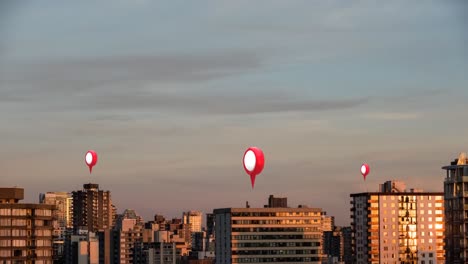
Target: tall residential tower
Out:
[456,210]
[92,209]
[396,226]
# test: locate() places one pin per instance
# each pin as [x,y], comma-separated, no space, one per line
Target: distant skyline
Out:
[170,94]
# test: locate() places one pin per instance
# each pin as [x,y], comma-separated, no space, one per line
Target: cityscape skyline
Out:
[171,94]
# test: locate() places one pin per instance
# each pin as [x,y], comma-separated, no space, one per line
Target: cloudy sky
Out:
[170,94]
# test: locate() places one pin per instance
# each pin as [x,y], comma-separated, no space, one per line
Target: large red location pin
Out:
[365,170]
[91,159]
[254,162]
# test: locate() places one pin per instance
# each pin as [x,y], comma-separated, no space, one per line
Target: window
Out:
[5,211]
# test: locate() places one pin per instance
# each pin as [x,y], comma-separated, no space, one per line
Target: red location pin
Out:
[91,159]
[365,170]
[254,162]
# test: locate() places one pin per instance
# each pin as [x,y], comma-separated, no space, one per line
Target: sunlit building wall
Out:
[25,229]
[405,227]
[268,235]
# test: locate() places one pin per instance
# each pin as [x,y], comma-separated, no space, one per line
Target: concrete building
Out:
[259,235]
[210,223]
[25,229]
[92,209]
[82,248]
[129,230]
[328,222]
[398,227]
[456,210]
[165,253]
[63,202]
[334,245]
[347,244]
[277,202]
[392,187]
[194,219]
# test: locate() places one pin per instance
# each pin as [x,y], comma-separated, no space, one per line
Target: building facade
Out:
[63,223]
[82,248]
[333,245]
[398,227]
[277,202]
[25,229]
[262,235]
[129,229]
[194,219]
[456,210]
[347,244]
[92,209]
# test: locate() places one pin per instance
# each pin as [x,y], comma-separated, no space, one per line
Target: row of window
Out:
[24,212]
[275,252]
[274,222]
[35,262]
[275,237]
[275,229]
[276,244]
[413,197]
[270,260]
[272,214]
[24,233]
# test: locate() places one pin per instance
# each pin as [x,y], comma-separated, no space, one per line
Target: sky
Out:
[171,93]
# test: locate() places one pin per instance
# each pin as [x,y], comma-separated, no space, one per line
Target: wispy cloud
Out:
[144,83]
[86,72]
[392,116]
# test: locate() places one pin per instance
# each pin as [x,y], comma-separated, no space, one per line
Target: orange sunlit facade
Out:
[399,227]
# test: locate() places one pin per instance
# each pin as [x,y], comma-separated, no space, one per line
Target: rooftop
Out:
[13,193]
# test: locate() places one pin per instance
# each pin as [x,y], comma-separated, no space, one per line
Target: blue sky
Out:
[170,94]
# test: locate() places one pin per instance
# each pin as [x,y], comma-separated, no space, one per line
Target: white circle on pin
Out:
[89,158]
[250,160]
[363,169]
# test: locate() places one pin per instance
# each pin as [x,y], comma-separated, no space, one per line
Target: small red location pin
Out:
[254,162]
[91,159]
[365,170]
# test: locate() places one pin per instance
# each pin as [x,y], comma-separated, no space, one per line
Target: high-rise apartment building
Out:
[92,209]
[260,235]
[82,248]
[25,229]
[63,219]
[398,227]
[193,218]
[129,230]
[328,222]
[456,210]
[333,246]
[64,204]
[347,234]
[210,223]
